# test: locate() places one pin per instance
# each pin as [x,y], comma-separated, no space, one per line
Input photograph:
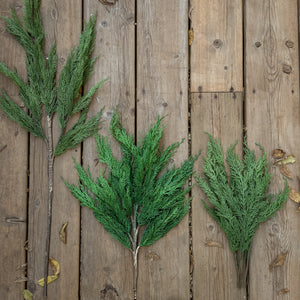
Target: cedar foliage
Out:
[239,202]
[132,196]
[41,94]
[40,91]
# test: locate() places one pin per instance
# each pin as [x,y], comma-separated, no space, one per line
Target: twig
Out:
[50,198]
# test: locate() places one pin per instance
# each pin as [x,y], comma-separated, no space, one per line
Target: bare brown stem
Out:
[50,198]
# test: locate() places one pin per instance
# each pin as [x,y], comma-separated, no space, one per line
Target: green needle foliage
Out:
[40,91]
[135,205]
[239,202]
[41,95]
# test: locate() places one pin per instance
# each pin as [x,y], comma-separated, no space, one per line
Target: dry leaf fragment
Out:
[288,160]
[294,195]
[152,256]
[27,295]
[191,36]
[21,279]
[56,270]
[191,262]
[279,261]
[283,291]
[63,233]
[298,210]
[278,153]
[213,244]
[284,170]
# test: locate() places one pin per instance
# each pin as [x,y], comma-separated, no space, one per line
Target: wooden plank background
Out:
[239,75]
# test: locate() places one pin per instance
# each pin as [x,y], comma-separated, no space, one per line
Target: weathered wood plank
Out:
[272,119]
[58,20]
[217,49]
[13,172]
[162,82]
[105,263]
[214,276]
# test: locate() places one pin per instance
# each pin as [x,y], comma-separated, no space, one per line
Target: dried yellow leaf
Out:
[27,295]
[285,171]
[63,233]
[279,261]
[50,279]
[213,244]
[55,266]
[191,36]
[278,153]
[298,209]
[288,160]
[294,195]
[283,291]
[56,270]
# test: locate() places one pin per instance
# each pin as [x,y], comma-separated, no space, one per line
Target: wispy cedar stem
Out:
[50,199]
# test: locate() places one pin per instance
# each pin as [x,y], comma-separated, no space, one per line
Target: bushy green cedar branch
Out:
[239,202]
[138,191]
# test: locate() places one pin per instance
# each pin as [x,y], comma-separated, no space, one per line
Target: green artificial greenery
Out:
[41,94]
[133,203]
[239,202]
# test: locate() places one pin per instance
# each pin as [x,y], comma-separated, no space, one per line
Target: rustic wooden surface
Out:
[55,15]
[143,50]
[272,119]
[162,76]
[221,115]
[13,174]
[105,264]
[217,49]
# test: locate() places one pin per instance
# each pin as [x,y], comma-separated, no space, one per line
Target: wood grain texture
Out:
[272,119]
[162,82]
[214,276]
[13,172]
[58,21]
[217,49]
[105,263]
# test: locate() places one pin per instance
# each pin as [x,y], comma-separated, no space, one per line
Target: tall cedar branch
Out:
[140,190]
[239,201]
[41,93]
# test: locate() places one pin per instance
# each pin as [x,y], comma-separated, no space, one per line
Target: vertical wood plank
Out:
[217,49]
[13,171]
[105,263]
[58,21]
[214,276]
[162,83]
[272,119]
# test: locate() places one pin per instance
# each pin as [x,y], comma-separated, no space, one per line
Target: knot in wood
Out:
[257,44]
[286,69]
[289,44]
[217,43]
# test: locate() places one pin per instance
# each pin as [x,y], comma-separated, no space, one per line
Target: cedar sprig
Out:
[239,201]
[141,199]
[40,93]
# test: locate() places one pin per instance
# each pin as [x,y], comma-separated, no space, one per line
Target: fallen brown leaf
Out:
[63,233]
[279,261]
[298,210]
[294,195]
[285,171]
[27,295]
[283,291]
[288,160]
[213,244]
[278,153]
